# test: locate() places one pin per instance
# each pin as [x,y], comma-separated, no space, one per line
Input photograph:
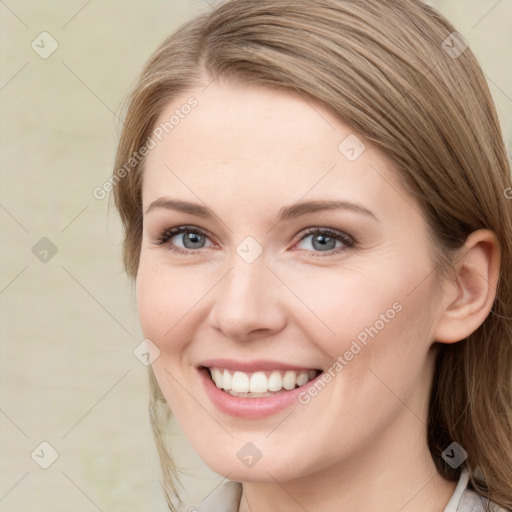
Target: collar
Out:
[226,498]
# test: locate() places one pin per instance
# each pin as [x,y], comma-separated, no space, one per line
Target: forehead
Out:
[265,144]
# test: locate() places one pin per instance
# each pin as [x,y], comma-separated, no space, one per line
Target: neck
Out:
[393,474]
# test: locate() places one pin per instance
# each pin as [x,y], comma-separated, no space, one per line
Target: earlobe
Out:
[469,298]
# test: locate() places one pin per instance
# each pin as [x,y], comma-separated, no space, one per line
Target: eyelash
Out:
[348,241]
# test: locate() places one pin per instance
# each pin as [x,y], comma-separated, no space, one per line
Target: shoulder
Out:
[225,498]
[466,499]
[471,501]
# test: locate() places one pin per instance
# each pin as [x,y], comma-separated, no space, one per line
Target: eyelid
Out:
[334,233]
[348,241]
[162,237]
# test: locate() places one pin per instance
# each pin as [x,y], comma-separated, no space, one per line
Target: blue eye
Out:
[191,238]
[323,240]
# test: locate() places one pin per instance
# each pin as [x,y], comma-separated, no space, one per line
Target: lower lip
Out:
[250,408]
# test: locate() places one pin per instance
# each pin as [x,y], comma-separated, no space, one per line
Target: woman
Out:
[314,197]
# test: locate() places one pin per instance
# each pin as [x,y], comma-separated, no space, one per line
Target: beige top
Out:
[226,498]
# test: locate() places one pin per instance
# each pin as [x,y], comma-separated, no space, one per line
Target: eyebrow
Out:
[286,213]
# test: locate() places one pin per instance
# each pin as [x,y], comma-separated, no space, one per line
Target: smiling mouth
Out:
[259,384]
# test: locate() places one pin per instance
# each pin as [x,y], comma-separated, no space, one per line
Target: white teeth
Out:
[227,380]
[302,378]
[259,383]
[289,380]
[239,383]
[275,381]
[217,376]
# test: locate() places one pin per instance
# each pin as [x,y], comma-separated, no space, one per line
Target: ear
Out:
[468,299]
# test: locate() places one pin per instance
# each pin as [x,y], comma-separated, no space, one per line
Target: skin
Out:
[360,444]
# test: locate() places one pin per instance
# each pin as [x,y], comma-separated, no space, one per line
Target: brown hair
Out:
[392,72]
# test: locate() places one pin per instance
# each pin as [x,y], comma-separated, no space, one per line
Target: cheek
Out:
[363,306]
[150,304]
[376,327]
[165,303]
[333,307]
[379,350]
[164,299]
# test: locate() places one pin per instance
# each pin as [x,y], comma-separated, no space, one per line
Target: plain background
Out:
[69,324]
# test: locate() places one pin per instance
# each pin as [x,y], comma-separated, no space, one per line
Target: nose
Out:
[248,302]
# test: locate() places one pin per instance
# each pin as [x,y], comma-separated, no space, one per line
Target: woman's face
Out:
[300,253]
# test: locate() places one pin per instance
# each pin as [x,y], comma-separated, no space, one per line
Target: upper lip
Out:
[252,366]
